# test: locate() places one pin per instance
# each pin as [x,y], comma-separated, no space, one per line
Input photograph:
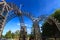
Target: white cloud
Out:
[28,25]
[18,24]
[28,31]
[40,25]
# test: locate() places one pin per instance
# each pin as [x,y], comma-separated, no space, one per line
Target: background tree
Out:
[8,34]
[57,15]
[13,35]
[17,33]
[3,36]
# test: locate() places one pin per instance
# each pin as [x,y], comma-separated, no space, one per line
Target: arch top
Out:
[54,20]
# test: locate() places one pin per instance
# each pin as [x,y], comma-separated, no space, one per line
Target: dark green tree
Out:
[57,15]
[13,35]
[8,34]
[3,36]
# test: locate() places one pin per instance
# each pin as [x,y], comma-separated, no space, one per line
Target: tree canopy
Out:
[10,34]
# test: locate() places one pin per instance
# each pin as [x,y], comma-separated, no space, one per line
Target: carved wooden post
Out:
[36,30]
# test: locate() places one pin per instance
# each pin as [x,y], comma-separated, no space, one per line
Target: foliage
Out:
[57,15]
[3,36]
[16,34]
[8,34]
[13,35]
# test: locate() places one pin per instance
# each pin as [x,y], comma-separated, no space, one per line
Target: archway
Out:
[4,14]
[50,29]
[5,18]
[54,20]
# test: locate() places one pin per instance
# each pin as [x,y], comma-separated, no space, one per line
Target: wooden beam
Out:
[2,3]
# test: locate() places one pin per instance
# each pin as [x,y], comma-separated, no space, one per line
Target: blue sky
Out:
[36,7]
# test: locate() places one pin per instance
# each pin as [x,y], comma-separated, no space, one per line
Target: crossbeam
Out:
[2,3]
